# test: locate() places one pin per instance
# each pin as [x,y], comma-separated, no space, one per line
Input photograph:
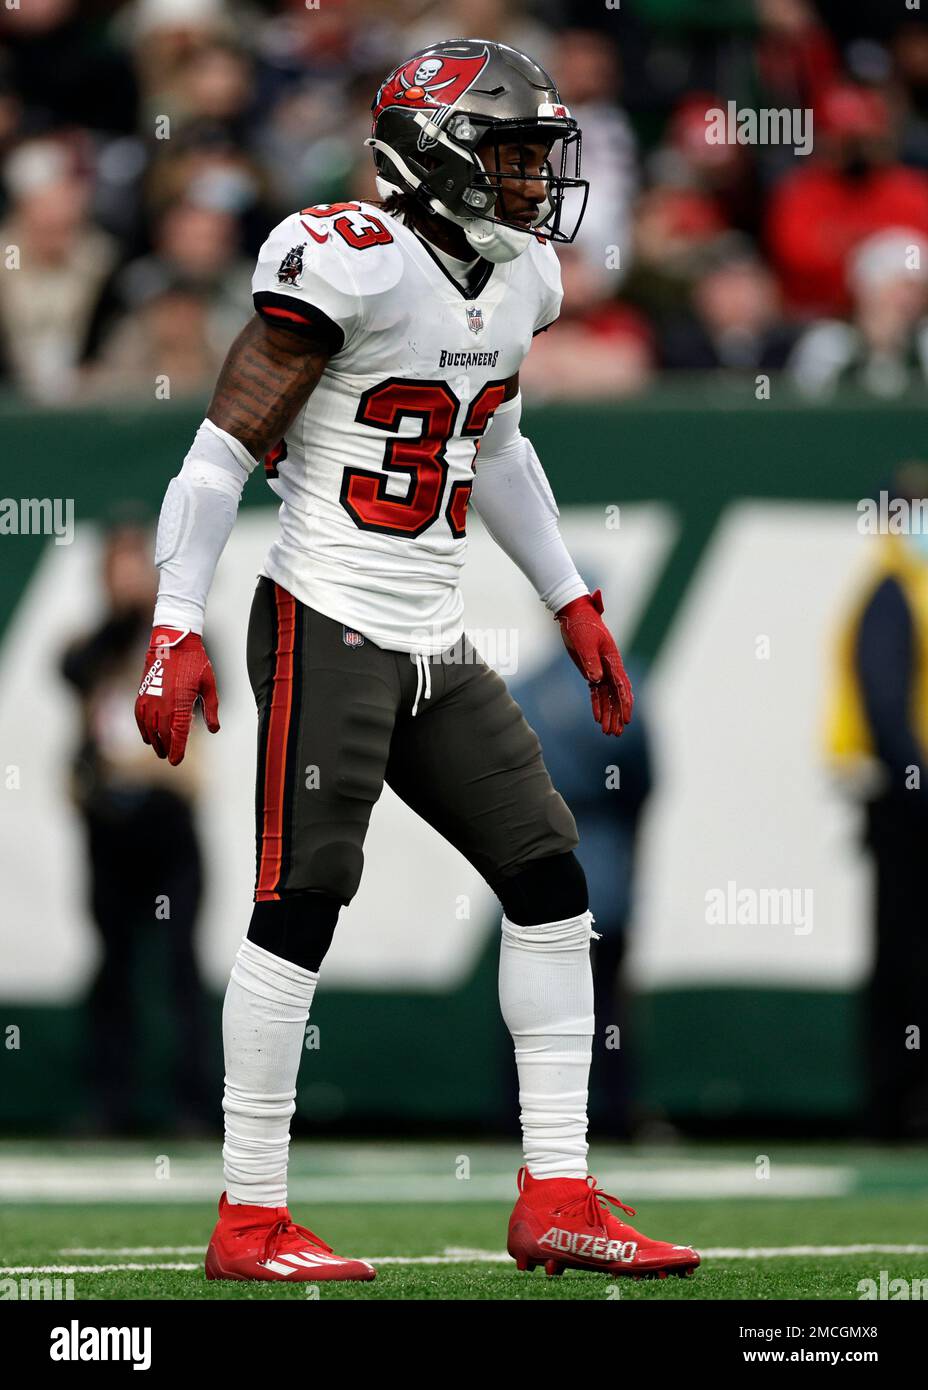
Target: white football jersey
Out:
[376,471]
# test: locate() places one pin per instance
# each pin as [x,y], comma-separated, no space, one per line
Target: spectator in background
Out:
[334,40]
[268,108]
[196,249]
[852,187]
[204,98]
[782,57]
[607,791]
[11,111]
[65,70]
[910,53]
[674,228]
[724,175]
[203,166]
[163,350]
[198,115]
[142,848]
[503,21]
[215,86]
[48,299]
[884,350]
[164,38]
[797,59]
[598,347]
[878,741]
[735,321]
[589,80]
[313,140]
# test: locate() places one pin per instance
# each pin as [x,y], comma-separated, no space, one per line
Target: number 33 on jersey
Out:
[376,471]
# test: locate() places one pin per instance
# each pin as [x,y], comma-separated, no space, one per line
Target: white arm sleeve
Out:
[197,516]
[514,500]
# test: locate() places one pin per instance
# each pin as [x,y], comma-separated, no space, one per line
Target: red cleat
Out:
[564,1223]
[263,1243]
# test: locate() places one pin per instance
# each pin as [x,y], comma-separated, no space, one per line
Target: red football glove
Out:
[597,658]
[177,674]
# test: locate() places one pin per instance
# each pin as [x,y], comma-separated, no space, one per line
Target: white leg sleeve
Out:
[263,1031]
[546,999]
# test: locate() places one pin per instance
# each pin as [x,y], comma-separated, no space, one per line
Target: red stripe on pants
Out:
[275,764]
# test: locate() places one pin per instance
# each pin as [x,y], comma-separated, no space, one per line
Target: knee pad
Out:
[545,890]
[331,867]
[298,927]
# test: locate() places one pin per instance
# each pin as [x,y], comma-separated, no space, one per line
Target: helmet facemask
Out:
[450,178]
[489,195]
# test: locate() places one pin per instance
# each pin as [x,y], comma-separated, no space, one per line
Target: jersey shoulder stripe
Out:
[296,316]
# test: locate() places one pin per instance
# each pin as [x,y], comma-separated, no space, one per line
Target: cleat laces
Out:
[288,1228]
[593,1204]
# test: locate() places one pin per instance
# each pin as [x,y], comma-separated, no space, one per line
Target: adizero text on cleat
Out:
[565,1223]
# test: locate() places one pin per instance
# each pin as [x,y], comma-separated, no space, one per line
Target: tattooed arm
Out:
[267,377]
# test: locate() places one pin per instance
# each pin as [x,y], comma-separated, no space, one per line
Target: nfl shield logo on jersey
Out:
[352,638]
[474,318]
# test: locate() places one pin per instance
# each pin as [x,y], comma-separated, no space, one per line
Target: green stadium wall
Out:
[784,1052]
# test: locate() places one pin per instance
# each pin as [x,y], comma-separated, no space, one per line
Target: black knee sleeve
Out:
[298,927]
[544,890]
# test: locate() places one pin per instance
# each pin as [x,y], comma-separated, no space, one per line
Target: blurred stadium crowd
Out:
[146,148]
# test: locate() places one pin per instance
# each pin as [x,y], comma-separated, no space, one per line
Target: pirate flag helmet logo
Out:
[430,81]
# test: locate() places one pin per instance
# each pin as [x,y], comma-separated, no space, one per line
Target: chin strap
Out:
[491,240]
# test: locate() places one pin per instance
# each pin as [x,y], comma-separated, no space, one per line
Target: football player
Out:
[379,382]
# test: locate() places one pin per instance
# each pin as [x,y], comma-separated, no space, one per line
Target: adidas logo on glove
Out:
[153,684]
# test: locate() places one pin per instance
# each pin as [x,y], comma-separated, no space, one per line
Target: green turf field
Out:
[132,1221]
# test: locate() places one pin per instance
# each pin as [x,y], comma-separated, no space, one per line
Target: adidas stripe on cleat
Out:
[251,1242]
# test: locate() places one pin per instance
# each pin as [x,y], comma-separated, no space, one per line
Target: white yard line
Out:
[720,1252]
[90,1269]
[773,1252]
[133,1250]
[453,1255]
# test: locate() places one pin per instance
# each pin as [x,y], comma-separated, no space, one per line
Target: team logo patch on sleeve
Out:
[291,267]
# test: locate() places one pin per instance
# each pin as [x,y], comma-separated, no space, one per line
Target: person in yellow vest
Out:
[877,737]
